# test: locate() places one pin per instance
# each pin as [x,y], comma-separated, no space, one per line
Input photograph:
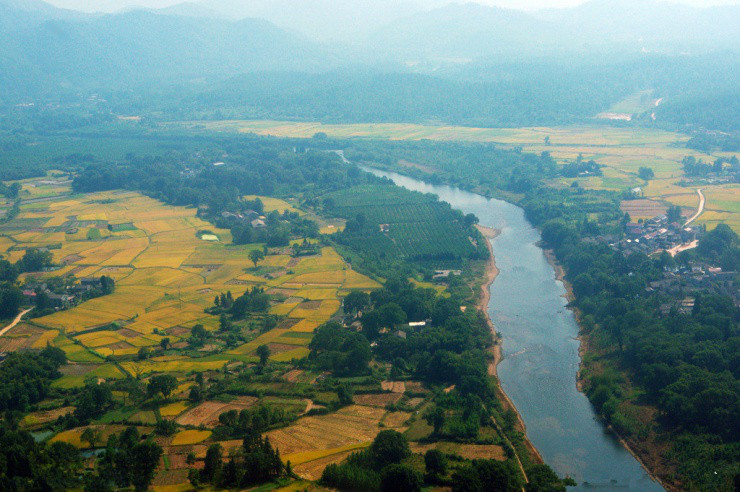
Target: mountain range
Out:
[46,47]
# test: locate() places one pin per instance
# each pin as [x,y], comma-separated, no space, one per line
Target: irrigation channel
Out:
[540,350]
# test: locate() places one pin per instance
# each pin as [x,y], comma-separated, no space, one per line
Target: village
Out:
[683,278]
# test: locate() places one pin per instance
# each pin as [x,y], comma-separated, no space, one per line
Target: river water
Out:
[540,350]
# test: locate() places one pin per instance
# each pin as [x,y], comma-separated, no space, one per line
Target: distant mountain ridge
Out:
[473,30]
[54,48]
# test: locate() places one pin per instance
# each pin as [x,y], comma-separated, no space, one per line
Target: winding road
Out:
[700,210]
[15,322]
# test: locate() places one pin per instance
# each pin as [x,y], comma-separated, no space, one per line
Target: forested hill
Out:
[135,49]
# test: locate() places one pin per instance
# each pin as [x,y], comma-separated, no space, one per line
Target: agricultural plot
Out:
[165,277]
[622,150]
[408,225]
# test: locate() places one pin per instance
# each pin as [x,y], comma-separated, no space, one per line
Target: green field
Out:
[418,226]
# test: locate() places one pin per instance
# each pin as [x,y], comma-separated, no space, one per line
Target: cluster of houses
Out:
[654,235]
[60,298]
[251,217]
[685,282]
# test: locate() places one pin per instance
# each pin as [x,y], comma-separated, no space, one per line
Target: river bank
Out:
[649,460]
[491,273]
[539,363]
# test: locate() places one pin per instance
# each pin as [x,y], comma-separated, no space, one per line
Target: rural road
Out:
[15,322]
[699,211]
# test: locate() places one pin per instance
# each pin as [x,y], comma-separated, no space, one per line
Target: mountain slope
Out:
[140,47]
[473,30]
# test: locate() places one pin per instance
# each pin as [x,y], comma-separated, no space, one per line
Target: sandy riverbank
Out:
[491,273]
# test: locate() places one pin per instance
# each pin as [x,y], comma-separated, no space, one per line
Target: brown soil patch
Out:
[396,420]
[377,399]
[128,333]
[482,452]
[642,208]
[313,469]
[287,323]
[8,344]
[207,413]
[414,402]
[46,416]
[310,305]
[170,477]
[178,331]
[281,292]
[420,167]
[415,387]
[393,386]
[276,348]
[120,346]
[71,259]
[293,375]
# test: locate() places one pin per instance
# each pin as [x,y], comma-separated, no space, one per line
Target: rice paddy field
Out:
[622,151]
[166,276]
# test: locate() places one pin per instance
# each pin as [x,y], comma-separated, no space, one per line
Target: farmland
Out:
[166,278]
[415,225]
[622,151]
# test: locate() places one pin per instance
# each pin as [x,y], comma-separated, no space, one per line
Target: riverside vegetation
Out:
[208,364]
[664,379]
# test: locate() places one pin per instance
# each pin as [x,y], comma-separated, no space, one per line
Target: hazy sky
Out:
[113,5]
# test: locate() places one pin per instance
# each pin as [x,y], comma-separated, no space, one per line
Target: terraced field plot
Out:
[165,277]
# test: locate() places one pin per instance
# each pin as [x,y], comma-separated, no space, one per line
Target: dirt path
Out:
[15,322]
[700,210]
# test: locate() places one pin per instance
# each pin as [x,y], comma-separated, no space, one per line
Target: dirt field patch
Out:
[293,375]
[377,399]
[643,208]
[276,348]
[393,386]
[207,412]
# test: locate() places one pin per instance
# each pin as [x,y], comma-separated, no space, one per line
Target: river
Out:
[540,350]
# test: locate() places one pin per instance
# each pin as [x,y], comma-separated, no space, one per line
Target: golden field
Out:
[165,278]
[621,150]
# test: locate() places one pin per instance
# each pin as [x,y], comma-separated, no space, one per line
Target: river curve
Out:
[540,350]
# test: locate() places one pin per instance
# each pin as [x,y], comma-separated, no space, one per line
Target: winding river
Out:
[540,350]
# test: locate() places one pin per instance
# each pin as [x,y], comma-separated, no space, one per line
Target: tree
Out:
[355,301]
[11,298]
[435,462]
[646,173]
[256,256]
[144,461]
[436,418]
[91,435]
[674,214]
[194,477]
[164,343]
[162,383]
[212,463]
[400,478]
[263,352]
[107,285]
[389,447]
[35,260]
[144,353]
[196,394]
